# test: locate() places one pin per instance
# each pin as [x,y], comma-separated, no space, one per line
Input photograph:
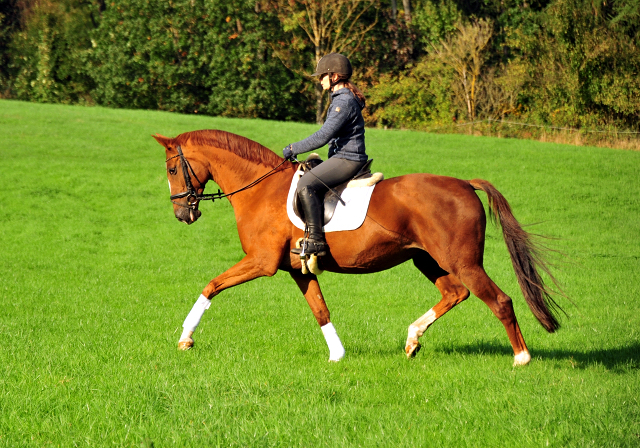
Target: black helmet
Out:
[334,63]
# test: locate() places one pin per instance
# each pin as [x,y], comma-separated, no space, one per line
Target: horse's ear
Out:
[164,141]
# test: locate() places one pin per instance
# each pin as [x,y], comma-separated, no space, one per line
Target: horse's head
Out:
[187,177]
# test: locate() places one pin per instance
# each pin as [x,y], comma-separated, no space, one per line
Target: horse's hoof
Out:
[185,344]
[521,359]
[412,350]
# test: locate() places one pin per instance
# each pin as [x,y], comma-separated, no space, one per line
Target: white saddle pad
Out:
[346,217]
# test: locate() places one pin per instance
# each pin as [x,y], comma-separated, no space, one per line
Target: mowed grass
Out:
[98,276]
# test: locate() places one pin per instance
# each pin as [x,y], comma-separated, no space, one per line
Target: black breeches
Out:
[332,172]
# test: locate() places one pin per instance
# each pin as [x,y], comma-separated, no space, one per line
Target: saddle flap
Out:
[345,218]
[363,178]
[331,201]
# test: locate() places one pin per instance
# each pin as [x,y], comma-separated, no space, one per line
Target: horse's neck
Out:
[231,172]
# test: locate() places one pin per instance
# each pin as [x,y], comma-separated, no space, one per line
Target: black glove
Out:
[287,152]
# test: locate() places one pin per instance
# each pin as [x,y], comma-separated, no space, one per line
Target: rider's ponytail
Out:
[351,86]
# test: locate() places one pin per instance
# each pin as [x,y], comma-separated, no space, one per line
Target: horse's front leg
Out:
[309,286]
[248,268]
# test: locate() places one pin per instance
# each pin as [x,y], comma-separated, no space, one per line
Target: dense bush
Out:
[583,64]
[9,20]
[186,55]
[565,63]
[195,57]
[48,62]
[420,97]
[550,62]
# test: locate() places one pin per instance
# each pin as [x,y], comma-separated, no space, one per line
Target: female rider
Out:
[344,131]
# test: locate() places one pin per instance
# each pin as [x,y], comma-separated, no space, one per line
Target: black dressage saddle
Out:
[331,199]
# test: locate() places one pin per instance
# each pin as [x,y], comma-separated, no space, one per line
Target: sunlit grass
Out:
[98,275]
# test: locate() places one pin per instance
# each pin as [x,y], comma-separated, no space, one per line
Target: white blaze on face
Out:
[169,182]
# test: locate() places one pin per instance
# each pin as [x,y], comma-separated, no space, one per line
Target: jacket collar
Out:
[345,91]
[341,91]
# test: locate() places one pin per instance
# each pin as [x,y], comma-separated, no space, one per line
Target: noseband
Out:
[192,195]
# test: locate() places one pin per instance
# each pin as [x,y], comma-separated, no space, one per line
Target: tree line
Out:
[422,64]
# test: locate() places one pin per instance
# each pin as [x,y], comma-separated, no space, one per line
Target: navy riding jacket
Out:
[343,129]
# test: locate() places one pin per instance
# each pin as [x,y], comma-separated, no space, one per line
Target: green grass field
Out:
[98,276]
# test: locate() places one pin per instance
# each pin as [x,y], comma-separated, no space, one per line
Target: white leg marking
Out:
[186,334]
[522,358]
[336,350]
[192,321]
[416,330]
[413,332]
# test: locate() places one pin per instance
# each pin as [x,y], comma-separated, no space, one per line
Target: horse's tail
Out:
[526,258]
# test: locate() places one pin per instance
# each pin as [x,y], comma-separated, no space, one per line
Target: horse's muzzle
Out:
[188,215]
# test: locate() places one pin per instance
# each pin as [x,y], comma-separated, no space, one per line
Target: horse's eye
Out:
[173,171]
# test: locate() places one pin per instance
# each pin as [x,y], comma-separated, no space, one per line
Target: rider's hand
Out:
[287,152]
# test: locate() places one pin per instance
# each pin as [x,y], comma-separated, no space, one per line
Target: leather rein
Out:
[192,195]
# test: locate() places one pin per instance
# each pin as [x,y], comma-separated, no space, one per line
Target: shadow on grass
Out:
[615,359]
[369,350]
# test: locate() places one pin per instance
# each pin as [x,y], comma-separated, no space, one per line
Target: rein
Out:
[193,197]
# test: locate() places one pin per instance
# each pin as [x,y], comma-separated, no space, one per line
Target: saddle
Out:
[363,178]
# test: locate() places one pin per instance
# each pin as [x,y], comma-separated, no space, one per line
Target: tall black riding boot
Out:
[313,208]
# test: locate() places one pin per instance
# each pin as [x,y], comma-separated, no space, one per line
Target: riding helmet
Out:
[334,63]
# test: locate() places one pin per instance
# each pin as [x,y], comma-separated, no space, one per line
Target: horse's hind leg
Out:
[483,287]
[453,292]
[309,286]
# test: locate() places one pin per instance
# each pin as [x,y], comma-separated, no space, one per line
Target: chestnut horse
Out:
[438,222]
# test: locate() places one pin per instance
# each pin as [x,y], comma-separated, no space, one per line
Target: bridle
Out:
[192,195]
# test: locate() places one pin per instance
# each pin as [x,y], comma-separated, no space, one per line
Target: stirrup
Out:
[314,247]
[311,247]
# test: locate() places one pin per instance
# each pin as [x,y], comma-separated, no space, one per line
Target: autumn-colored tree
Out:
[465,52]
[320,27]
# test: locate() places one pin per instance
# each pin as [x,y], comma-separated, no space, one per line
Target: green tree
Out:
[194,56]
[435,21]
[419,98]
[465,51]
[583,65]
[9,24]
[47,53]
